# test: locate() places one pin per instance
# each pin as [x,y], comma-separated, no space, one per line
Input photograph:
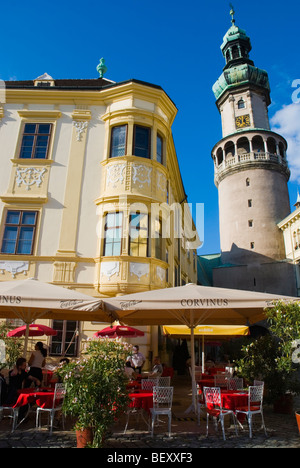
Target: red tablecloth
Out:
[232,399]
[207,377]
[206,383]
[142,400]
[44,399]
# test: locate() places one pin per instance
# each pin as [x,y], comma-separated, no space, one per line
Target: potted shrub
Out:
[270,358]
[96,388]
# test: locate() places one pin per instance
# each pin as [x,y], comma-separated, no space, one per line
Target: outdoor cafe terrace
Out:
[186,433]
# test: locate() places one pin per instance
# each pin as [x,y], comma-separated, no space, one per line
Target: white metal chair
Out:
[221,380]
[148,384]
[255,406]
[258,383]
[134,412]
[162,405]
[213,402]
[164,382]
[235,383]
[59,394]
[13,413]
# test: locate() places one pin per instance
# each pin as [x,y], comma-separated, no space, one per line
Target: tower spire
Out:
[232,13]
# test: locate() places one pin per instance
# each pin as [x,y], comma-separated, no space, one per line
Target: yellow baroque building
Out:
[91,196]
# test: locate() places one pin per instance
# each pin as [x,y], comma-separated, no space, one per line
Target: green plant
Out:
[96,386]
[284,321]
[13,347]
[269,358]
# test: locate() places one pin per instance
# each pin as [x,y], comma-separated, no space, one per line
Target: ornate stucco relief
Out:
[29,176]
[141,174]
[139,269]
[115,174]
[80,127]
[109,269]
[14,267]
[161,274]
[161,182]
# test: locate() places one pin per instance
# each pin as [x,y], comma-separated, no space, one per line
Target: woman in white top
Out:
[37,361]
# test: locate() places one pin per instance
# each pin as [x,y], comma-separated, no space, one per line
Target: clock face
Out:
[242,121]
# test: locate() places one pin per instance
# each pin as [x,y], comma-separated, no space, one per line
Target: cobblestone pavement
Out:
[186,434]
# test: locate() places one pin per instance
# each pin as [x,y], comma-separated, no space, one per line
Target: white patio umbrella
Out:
[31,299]
[192,305]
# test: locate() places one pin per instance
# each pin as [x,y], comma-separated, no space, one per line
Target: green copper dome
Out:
[239,75]
[239,69]
[234,34]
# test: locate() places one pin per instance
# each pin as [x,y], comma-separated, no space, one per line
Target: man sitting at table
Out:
[157,369]
[17,377]
[137,360]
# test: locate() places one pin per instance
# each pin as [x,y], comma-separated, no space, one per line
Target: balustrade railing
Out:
[248,157]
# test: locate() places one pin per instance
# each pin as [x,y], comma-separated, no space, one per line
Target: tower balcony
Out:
[247,150]
[246,160]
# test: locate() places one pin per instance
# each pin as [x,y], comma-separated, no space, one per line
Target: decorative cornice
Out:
[81,114]
[23,199]
[38,114]
[32,162]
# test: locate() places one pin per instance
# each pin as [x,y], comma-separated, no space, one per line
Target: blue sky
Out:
[173,44]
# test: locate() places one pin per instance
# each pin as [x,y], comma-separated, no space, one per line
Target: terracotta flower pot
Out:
[298,419]
[84,437]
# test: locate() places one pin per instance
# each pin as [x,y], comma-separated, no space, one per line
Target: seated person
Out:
[17,378]
[3,389]
[157,369]
[209,363]
[137,360]
[129,371]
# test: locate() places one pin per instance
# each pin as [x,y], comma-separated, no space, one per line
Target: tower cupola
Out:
[236,45]
[239,69]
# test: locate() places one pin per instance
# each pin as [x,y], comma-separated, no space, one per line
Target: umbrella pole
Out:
[26,340]
[203,356]
[193,362]
[193,406]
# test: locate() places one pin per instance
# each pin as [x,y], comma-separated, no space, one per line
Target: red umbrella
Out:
[119,330]
[34,330]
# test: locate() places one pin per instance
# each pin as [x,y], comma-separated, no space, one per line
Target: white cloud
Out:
[286,122]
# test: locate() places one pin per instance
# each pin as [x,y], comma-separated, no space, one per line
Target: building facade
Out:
[290,227]
[251,173]
[91,196]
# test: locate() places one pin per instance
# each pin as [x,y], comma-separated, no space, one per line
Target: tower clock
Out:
[242,121]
